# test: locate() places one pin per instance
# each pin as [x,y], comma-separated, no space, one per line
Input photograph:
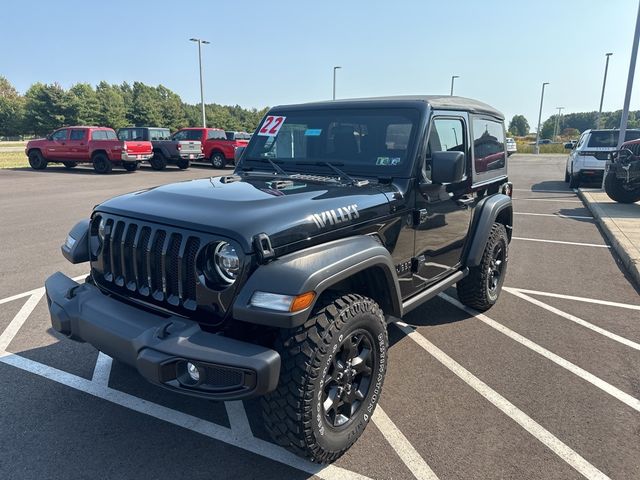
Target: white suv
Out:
[511,146]
[589,157]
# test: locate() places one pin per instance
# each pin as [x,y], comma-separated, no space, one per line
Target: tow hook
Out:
[163,331]
[72,292]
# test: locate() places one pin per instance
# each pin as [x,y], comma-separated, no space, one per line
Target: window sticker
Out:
[271,126]
[312,132]
[382,161]
[395,160]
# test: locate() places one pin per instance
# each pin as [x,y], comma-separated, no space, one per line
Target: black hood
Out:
[288,210]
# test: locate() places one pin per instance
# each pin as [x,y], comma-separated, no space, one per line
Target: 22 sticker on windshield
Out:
[271,126]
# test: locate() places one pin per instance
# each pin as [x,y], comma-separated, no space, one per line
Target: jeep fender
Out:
[316,269]
[492,209]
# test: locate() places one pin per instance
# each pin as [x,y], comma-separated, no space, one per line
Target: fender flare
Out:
[485,215]
[315,269]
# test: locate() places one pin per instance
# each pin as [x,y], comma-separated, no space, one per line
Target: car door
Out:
[442,211]
[78,146]
[57,148]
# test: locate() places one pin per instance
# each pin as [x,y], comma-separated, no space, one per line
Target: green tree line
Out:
[45,107]
[572,124]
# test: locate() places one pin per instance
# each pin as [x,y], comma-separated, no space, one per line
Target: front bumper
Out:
[159,347]
[127,157]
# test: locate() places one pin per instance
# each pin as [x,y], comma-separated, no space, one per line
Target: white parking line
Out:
[578,299]
[31,292]
[548,200]
[411,458]
[574,319]
[505,406]
[542,191]
[102,370]
[238,419]
[557,215]
[579,244]
[558,360]
[175,417]
[14,326]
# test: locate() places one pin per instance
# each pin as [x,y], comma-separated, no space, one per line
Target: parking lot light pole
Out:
[556,128]
[537,149]
[632,69]
[334,81]
[200,42]
[604,84]
[453,77]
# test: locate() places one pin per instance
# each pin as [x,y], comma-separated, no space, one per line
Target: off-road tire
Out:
[566,177]
[617,191]
[574,180]
[158,161]
[102,164]
[293,413]
[475,290]
[218,160]
[36,160]
[130,166]
[183,164]
[70,165]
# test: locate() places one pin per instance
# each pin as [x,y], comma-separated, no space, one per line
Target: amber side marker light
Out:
[302,301]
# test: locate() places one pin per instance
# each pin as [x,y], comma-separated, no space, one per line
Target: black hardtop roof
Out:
[436,102]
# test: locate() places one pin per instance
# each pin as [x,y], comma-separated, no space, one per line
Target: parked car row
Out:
[588,157]
[128,147]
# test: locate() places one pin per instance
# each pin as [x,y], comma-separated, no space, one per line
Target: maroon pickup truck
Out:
[97,145]
[216,147]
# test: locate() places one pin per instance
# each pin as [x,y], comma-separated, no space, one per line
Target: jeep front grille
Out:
[152,262]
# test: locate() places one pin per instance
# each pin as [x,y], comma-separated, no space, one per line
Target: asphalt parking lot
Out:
[545,385]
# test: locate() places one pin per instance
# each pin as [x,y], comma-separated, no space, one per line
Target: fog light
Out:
[193,371]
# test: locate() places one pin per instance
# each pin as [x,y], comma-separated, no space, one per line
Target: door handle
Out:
[465,201]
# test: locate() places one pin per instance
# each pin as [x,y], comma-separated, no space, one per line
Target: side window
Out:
[124,134]
[60,135]
[77,134]
[137,134]
[581,140]
[98,135]
[488,145]
[180,135]
[213,134]
[446,135]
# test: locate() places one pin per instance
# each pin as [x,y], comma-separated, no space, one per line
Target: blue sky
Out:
[276,52]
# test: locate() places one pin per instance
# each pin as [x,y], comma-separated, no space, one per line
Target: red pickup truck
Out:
[97,145]
[215,146]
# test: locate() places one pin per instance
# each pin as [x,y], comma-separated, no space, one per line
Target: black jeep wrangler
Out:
[279,280]
[622,177]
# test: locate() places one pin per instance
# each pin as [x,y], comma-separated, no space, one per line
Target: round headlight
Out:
[227,262]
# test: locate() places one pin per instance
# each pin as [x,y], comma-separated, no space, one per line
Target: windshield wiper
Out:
[279,170]
[345,177]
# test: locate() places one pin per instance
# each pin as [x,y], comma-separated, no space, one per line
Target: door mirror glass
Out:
[447,167]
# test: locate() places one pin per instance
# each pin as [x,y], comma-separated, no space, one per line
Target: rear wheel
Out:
[70,165]
[101,164]
[36,160]
[158,161]
[218,160]
[619,191]
[183,164]
[130,166]
[331,378]
[481,288]
[574,180]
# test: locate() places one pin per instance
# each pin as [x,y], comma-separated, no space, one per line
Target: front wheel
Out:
[130,166]
[218,160]
[620,192]
[331,378]
[481,288]
[566,177]
[158,161]
[37,161]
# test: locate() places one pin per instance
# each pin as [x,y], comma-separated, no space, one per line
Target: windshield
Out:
[610,138]
[364,141]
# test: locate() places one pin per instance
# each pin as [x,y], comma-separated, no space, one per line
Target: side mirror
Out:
[238,154]
[49,137]
[568,146]
[447,167]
